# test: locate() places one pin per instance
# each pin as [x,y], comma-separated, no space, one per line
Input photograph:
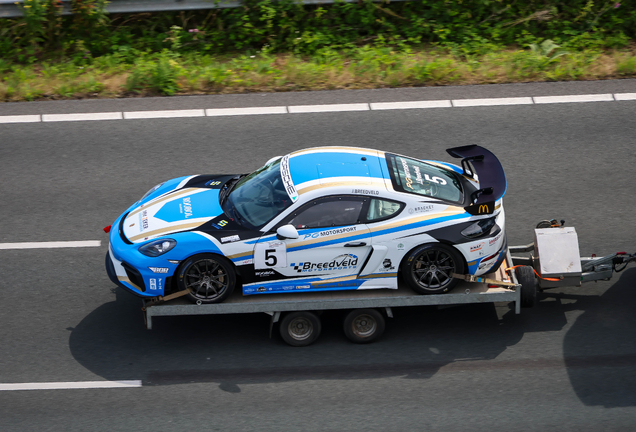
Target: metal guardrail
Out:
[10,9]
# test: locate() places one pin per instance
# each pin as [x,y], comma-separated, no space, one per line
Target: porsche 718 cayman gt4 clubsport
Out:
[320,219]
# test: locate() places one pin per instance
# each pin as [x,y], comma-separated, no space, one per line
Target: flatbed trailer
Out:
[365,323]
[553,262]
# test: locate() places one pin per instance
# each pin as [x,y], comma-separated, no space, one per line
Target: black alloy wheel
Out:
[429,268]
[209,277]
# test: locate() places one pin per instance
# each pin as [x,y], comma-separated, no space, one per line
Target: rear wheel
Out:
[300,328]
[364,325]
[429,269]
[210,278]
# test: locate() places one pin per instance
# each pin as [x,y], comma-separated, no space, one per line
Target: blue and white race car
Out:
[321,219]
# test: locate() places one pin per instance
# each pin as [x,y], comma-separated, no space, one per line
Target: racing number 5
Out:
[270,255]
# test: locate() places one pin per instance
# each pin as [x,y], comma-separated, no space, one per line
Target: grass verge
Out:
[166,73]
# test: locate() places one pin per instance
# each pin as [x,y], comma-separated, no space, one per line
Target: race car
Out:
[320,219]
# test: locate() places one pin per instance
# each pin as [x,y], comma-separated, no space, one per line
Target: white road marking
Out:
[82,116]
[624,96]
[51,245]
[573,98]
[71,385]
[129,115]
[245,111]
[296,109]
[20,119]
[492,101]
[411,105]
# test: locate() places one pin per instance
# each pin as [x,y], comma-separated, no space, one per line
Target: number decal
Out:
[270,255]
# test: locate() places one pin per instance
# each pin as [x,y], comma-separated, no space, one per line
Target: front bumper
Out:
[131,270]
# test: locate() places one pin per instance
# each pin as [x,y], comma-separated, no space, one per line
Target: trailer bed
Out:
[463,293]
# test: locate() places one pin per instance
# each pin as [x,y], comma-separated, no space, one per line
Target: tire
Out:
[428,269]
[211,278]
[364,325]
[300,328]
[525,277]
[544,224]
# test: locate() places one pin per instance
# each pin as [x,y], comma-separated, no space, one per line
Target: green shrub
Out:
[469,27]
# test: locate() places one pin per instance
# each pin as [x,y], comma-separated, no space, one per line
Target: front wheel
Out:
[209,277]
[429,268]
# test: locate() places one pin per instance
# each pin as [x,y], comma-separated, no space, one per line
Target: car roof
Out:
[327,166]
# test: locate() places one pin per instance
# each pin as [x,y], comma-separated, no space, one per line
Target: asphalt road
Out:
[567,364]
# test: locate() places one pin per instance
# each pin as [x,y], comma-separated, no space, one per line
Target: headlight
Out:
[158,247]
[479,228]
[151,191]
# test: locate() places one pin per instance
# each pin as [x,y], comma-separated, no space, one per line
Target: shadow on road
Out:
[600,347]
[235,349]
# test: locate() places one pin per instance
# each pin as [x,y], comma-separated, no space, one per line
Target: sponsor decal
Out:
[220,224]
[477,247]
[159,269]
[418,176]
[230,239]
[407,174]
[484,265]
[341,262]
[287,288]
[421,209]
[400,246]
[387,265]
[213,183]
[365,191]
[330,232]
[264,273]
[492,241]
[287,180]
[303,286]
[488,262]
[143,220]
[153,284]
[185,207]
[484,209]
[260,289]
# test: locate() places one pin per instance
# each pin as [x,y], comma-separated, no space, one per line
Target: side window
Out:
[328,213]
[380,209]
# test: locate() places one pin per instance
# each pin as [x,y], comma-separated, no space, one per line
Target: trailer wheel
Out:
[429,268]
[364,325]
[300,328]
[525,276]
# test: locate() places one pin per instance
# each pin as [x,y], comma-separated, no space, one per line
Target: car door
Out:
[332,246]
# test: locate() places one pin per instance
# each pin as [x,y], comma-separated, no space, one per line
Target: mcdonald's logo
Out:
[481,209]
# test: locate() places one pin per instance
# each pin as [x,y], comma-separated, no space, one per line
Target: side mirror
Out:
[287,232]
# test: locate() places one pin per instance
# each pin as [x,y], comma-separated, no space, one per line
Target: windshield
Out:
[259,197]
[420,178]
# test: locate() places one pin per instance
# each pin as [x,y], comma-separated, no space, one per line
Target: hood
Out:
[179,210]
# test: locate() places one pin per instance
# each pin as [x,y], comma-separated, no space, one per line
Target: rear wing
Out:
[483,166]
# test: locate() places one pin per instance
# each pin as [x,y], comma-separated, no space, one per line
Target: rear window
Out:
[419,178]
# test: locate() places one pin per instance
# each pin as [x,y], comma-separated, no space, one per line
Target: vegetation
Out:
[283,45]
